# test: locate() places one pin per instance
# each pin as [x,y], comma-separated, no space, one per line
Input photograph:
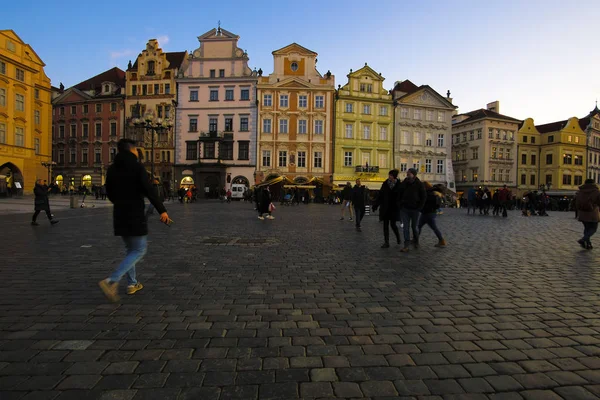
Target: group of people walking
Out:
[484,200]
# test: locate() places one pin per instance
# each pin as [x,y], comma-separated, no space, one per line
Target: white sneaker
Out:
[261,217]
[270,217]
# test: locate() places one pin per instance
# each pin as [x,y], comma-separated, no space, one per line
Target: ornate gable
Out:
[426,97]
[219,33]
[293,83]
[71,95]
[294,48]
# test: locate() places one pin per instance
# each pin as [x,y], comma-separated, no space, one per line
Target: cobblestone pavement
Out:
[24,204]
[299,307]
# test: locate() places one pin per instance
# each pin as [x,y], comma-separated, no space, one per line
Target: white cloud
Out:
[163,40]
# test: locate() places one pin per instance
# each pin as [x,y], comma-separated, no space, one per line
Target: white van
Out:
[238,191]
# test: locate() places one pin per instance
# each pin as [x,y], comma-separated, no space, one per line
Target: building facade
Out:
[529,143]
[563,156]
[591,126]
[364,140]
[422,131]
[216,119]
[296,119]
[25,116]
[484,148]
[88,120]
[151,87]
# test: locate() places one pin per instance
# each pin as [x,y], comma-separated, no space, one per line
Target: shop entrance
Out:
[11,180]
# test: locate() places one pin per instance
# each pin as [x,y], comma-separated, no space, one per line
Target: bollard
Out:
[73,201]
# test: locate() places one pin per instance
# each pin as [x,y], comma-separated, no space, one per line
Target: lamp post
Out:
[152,125]
[49,165]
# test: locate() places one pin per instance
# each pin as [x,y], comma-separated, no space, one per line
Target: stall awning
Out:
[271,182]
[300,186]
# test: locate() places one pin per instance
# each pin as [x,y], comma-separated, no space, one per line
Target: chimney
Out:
[494,106]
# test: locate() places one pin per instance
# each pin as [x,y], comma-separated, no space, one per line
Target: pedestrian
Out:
[471,200]
[588,203]
[504,196]
[429,212]
[347,200]
[264,204]
[413,197]
[359,200]
[388,201]
[228,195]
[41,203]
[127,184]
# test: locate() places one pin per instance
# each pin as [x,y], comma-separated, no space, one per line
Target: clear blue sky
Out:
[539,58]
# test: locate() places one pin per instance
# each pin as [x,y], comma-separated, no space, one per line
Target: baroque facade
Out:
[528,157]
[364,140]
[422,132]
[484,148]
[151,87]
[216,119]
[591,126]
[25,116]
[87,122]
[295,120]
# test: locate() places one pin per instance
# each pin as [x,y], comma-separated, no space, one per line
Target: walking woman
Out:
[388,202]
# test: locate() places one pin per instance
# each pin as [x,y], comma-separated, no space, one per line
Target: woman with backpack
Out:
[429,212]
[588,203]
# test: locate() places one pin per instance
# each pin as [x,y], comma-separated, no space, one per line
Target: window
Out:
[523,159]
[475,174]
[167,111]
[548,179]
[73,110]
[429,115]
[2,97]
[302,101]
[159,111]
[156,89]
[19,74]
[283,126]
[404,112]
[301,159]
[366,109]
[36,146]
[209,150]
[98,108]
[417,139]
[533,159]
[266,126]
[20,102]
[98,129]
[268,100]
[405,137]
[318,127]
[347,159]
[403,167]
[302,126]
[221,73]
[85,130]
[523,179]
[475,153]
[548,159]
[441,116]
[113,154]
[213,73]
[36,117]
[318,159]
[491,133]
[283,100]
[243,150]
[98,157]
[479,133]
[73,130]
[349,131]
[113,129]
[283,158]
[428,141]
[494,152]
[228,94]
[167,88]
[382,133]
[383,111]
[417,164]
[417,114]
[428,165]
[213,125]
[578,160]
[508,155]
[440,141]
[113,107]
[551,139]
[464,136]
[319,102]
[228,124]
[382,160]
[134,90]
[73,157]
[245,94]
[578,180]
[150,68]
[85,108]
[440,166]
[569,138]
[243,124]
[532,180]
[266,158]
[2,68]
[471,135]
[2,133]
[576,139]
[366,132]
[61,157]
[193,95]
[349,107]
[567,159]
[19,137]
[193,125]
[214,95]
[566,179]
[226,151]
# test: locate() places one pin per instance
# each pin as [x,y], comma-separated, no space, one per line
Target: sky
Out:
[537,57]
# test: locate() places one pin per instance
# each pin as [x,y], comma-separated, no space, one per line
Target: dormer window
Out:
[106,88]
[150,69]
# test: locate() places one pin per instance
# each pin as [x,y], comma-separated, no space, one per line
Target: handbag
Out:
[271,207]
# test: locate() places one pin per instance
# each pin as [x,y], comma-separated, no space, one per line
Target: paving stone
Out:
[204,393]
[443,386]
[147,381]
[239,392]
[124,367]
[378,388]
[503,383]
[79,382]
[475,385]
[316,389]
[276,391]
[575,393]
[540,395]
[292,375]
[323,375]
[47,382]
[535,381]
[157,394]
[115,382]
[219,378]
[184,380]
[347,389]
[411,387]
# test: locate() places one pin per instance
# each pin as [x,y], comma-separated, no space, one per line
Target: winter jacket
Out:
[264,200]
[433,202]
[413,194]
[388,202]
[127,184]
[588,202]
[347,193]
[359,196]
[41,201]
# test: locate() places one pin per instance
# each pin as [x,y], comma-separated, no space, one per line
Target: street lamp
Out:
[49,165]
[152,125]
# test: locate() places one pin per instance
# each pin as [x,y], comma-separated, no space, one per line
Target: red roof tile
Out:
[114,75]
[175,60]
[406,86]
[483,113]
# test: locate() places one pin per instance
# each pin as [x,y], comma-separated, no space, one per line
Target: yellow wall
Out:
[35,89]
[529,143]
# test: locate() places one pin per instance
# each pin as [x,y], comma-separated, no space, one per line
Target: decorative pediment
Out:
[293,83]
[427,97]
[366,71]
[72,95]
[219,33]
[20,119]
[294,48]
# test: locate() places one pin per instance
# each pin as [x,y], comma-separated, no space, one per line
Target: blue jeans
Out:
[410,219]
[429,219]
[136,249]
[589,228]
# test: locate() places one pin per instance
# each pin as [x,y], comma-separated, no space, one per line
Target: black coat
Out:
[127,184]
[388,202]
[359,196]
[264,201]
[41,201]
[413,194]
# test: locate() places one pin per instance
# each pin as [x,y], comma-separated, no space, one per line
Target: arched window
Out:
[87,181]
[150,70]
[106,88]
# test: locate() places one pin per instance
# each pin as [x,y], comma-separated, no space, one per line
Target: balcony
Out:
[364,169]
[211,135]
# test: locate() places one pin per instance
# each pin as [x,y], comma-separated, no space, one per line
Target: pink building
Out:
[216,115]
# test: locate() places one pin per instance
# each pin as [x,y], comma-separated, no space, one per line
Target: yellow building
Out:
[529,144]
[25,115]
[364,139]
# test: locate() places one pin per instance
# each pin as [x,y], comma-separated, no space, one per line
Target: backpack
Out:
[485,196]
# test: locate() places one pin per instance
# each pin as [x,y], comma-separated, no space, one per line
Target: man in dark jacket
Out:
[347,200]
[359,200]
[588,203]
[127,184]
[41,202]
[413,198]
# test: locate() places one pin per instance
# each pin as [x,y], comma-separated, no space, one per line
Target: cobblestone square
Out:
[299,307]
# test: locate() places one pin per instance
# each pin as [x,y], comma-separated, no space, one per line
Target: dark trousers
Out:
[430,219]
[386,230]
[589,228]
[359,213]
[410,219]
[37,212]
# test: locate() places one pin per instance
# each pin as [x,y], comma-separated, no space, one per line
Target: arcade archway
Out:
[11,180]
[241,180]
